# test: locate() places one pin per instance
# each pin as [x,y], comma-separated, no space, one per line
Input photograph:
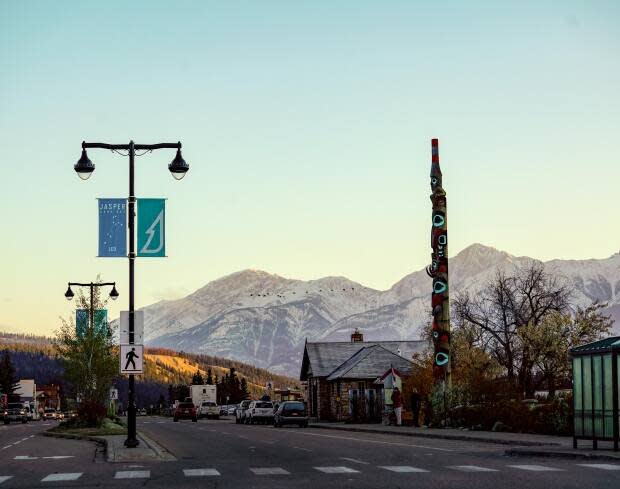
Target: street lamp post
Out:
[84,168]
[113,295]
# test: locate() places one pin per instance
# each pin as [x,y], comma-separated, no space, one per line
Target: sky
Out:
[307,127]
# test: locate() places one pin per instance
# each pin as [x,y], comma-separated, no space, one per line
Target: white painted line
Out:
[8,446]
[17,442]
[25,457]
[133,474]
[535,468]
[337,470]
[226,433]
[244,437]
[370,440]
[160,422]
[471,468]
[56,457]
[601,466]
[402,468]
[24,439]
[270,471]
[354,460]
[67,476]
[31,436]
[304,449]
[4,478]
[200,472]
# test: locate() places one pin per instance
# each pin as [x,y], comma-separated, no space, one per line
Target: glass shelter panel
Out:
[608,397]
[597,367]
[587,396]
[578,396]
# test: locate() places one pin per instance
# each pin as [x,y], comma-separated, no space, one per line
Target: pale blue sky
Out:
[307,126]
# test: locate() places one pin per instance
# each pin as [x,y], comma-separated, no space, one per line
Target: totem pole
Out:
[438,271]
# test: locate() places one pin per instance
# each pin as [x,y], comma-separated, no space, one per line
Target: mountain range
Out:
[264,319]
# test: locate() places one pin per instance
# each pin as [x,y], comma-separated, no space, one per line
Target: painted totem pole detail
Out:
[438,270]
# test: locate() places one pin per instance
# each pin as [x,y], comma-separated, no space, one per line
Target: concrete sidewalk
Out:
[524,444]
[501,438]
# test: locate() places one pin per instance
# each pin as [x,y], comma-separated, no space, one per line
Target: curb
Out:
[518,452]
[442,436]
[101,442]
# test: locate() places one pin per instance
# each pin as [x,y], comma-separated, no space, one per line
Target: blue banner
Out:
[81,321]
[152,227]
[112,227]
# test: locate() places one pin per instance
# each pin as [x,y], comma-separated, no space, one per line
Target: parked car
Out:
[15,411]
[232,410]
[49,413]
[223,410]
[185,410]
[209,409]
[291,412]
[259,412]
[241,410]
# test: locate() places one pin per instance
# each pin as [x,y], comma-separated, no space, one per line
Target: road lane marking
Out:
[304,449]
[536,468]
[337,470]
[8,446]
[471,468]
[402,468]
[244,437]
[601,466]
[24,457]
[269,471]
[57,457]
[4,478]
[133,474]
[67,476]
[354,460]
[200,472]
[368,440]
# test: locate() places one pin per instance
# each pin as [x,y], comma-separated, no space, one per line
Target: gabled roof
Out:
[607,344]
[369,363]
[321,359]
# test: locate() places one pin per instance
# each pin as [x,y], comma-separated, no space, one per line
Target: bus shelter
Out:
[595,391]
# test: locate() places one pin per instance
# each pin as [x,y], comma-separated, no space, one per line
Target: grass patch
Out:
[73,427]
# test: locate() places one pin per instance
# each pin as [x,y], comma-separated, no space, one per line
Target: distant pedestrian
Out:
[397,402]
[416,401]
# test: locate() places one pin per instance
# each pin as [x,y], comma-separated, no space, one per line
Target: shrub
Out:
[91,413]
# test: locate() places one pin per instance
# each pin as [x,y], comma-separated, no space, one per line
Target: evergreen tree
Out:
[8,381]
[244,389]
[197,378]
[209,377]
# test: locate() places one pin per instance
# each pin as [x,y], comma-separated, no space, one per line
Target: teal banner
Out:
[152,227]
[82,320]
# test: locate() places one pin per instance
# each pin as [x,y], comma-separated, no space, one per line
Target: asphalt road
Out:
[221,454]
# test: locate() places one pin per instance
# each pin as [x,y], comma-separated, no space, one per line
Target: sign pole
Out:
[131,440]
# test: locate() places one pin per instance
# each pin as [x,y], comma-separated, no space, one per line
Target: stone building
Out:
[341,376]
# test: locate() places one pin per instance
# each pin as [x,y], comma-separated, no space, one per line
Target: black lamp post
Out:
[113,295]
[84,168]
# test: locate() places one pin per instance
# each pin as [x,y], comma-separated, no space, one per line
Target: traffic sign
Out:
[152,227]
[131,359]
[138,328]
[113,394]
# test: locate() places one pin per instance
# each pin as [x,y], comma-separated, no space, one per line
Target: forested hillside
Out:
[34,358]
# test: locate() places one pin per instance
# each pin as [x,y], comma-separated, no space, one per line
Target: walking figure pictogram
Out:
[130,356]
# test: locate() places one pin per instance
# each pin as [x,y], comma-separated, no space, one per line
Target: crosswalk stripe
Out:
[4,478]
[67,476]
[337,470]
[601,466]
[535,468]
[133,474]
[269,471]
[402,468]
[471,468]
[200,472]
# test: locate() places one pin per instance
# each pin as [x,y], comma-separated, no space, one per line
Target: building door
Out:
[313,395]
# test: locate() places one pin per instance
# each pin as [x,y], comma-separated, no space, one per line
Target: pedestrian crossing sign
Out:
[131,359]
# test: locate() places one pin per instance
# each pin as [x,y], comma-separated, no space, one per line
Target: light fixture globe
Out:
[178,167]
[84,167]
[114,293]
[69,293]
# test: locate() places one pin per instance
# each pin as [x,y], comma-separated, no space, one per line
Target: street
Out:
[223,454]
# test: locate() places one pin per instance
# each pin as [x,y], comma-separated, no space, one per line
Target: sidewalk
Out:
[524,444]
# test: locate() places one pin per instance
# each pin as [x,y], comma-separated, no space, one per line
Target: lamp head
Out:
[178,167]
[114,293]
[69,293]
[84,167]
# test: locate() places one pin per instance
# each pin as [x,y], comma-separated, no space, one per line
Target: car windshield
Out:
[264,405]
[186,405]
[49,410]
[15,405]
[209,403]
[294,405]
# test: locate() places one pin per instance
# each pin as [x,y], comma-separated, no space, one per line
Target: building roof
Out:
[369,363]
[605,345]
[321,359]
